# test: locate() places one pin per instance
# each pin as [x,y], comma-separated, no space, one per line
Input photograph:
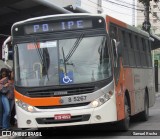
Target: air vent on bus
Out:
[64,106]
[60,92]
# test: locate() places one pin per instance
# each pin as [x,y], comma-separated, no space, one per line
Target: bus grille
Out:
[63,106]
[60,92]
[79,118]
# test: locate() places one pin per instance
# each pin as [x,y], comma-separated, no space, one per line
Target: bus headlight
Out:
[25,106]
[101,100]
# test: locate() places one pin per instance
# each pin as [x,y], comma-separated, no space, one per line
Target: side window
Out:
[113,32]
[131,51]
[121,37]
[148,53]
[125,48]
[124,34]
[137,43]
[137,52]
[131,40]
[143,52]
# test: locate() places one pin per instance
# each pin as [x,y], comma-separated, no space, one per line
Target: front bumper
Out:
[79,116]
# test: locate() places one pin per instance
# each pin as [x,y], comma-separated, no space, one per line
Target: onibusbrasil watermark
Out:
[21,133]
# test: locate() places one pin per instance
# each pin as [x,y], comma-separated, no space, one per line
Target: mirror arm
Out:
[5,52]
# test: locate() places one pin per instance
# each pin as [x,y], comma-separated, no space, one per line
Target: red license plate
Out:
[62,116]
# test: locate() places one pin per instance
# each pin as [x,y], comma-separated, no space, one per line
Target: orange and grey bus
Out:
[79,69]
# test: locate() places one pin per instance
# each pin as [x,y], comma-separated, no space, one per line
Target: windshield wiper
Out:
[71,52]
[65,68]
[74,47]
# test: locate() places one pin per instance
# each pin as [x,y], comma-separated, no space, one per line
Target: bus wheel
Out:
[145,114]
[124,124]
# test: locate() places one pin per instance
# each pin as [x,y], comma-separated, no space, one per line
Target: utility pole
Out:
[99,7]
[146,24]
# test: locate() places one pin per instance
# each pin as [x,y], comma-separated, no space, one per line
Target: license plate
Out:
[62,116]
[76,99]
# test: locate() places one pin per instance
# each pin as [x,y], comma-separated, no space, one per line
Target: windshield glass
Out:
[61,62]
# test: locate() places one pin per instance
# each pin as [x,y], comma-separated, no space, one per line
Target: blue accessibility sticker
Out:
[66,79]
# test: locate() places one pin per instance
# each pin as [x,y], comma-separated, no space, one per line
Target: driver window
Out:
[114,42]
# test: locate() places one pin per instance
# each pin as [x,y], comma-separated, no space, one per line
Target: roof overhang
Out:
[12,11]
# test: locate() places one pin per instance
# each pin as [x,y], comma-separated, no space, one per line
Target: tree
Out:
[144,1]
[146,24]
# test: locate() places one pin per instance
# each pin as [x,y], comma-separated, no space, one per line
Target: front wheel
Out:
[124,124]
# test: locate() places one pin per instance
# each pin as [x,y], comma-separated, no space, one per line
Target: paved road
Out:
[109,131]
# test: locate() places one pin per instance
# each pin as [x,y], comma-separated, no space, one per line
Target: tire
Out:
[145,114]
[124,124]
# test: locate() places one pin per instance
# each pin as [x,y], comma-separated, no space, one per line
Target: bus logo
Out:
[60,93]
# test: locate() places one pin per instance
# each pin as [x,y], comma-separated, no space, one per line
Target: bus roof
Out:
[107,18]
[50,16]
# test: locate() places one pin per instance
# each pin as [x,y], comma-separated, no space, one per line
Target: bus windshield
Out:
[62,62]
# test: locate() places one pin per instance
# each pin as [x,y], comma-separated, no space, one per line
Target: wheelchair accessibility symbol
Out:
[66,79]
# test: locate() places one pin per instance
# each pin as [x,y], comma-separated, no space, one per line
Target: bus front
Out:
[63,73]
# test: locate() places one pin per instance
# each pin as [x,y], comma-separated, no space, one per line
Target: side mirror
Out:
[10,53]
[119,49]
[6,52]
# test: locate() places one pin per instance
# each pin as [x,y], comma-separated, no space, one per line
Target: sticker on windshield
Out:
[48,44]
[66,79]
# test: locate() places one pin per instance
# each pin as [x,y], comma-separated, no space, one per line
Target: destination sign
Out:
[57,26]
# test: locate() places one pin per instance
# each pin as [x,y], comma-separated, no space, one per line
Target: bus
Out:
[81,69]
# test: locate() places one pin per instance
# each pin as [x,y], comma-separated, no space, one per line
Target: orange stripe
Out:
[113,20]
[47,101]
